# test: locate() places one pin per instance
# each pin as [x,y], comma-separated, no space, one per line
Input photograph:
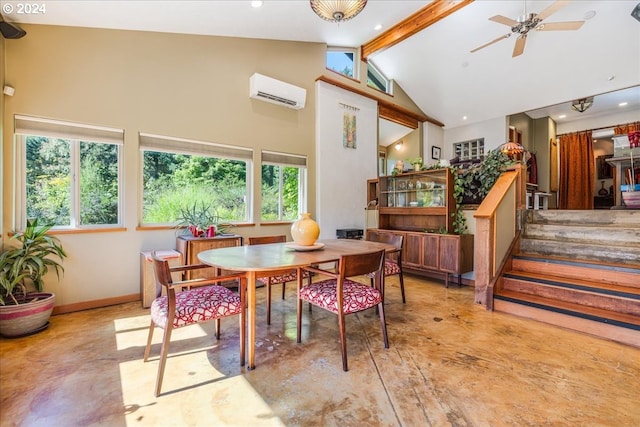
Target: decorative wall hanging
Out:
[349,128]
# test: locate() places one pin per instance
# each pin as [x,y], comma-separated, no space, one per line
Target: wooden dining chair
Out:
[191,302]
[393,259]
[342,296]
[277,277]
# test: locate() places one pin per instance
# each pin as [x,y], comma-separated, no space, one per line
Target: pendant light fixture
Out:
[337,10]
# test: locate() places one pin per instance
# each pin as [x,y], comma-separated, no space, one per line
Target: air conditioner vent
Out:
[277,92]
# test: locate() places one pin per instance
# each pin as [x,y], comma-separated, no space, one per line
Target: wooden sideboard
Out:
[435,254]
[190,247]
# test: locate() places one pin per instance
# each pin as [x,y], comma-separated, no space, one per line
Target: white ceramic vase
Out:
[305,231]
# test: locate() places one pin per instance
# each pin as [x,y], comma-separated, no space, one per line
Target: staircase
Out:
[579,270]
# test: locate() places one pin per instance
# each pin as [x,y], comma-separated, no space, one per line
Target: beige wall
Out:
[177,85]
[186,86]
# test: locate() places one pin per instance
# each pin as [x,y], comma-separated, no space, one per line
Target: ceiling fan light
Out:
[581,105]
[337,10]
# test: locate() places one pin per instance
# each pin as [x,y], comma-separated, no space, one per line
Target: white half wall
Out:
[342,173]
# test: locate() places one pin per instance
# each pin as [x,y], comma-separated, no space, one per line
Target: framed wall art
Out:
[435,153]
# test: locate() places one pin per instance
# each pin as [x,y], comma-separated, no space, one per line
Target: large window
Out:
[179,173]
[343,60]
[283,186]
[69,173]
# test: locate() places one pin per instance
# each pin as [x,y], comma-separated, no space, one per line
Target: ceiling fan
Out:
[532,21]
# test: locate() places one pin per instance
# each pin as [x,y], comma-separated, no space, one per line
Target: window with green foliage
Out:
[283,186]
[179,173]
[343,60]
[376,79]
[69,173]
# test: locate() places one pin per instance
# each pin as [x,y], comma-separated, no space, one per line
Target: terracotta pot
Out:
[305,231]
[27,318]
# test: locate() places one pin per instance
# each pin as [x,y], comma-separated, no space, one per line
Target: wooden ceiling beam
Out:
[429,15]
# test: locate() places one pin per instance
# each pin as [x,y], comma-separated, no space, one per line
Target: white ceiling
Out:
[435,67]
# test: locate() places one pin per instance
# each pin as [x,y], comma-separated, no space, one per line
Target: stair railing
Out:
[497,224]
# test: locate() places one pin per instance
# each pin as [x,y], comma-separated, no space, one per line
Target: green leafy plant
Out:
[415,161]
[199,217]
[29,262]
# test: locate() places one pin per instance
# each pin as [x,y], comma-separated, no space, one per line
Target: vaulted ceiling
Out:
[434,66]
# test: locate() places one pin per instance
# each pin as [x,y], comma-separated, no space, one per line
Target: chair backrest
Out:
[162,273]
[262,240]
[396,240]
[361,264]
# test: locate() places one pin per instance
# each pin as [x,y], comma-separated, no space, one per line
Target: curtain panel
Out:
[576,171]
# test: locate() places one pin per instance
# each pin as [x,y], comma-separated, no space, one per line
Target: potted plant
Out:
[201,220]
[416,162]
[23,268]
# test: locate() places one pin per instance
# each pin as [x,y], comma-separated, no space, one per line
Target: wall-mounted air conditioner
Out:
[277,92]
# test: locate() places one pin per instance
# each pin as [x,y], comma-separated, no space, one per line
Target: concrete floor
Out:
[449,363]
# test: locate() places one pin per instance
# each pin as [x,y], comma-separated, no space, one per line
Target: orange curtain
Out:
[576,171]
[629,127]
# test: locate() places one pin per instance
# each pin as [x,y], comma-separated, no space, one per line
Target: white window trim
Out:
[25,126]
[168,144]
[356,59]
[288,160]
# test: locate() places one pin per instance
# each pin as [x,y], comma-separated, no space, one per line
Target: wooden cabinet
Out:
[417,201]
[190,247]
[435,254]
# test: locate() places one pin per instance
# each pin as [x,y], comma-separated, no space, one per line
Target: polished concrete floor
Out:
[449,363]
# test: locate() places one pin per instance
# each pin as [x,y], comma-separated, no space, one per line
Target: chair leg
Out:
[299,321]
[243,336]
[343,341]
[163,356]
[217,322]
[269,301]
[284,284]
[147,349]
[384,325]
[404,301]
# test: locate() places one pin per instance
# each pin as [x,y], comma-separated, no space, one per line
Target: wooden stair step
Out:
[608,218]
[614,236]
[622,320]
[590,294]
[596,271]
[584,251]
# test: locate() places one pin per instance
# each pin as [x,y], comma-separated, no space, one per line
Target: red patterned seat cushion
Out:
[197,305]
[357,297]
[390,268]
[283,278]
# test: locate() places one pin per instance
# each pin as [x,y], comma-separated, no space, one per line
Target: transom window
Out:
[69,173]
[376,79]
[283,186]
[343,60]
[179,173]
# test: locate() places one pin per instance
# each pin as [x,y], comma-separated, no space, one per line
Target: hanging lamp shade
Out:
[581,105]
[337,10]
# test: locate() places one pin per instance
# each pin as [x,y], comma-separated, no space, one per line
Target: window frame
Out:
[182,146]
[282,160]
[74,133]
[356,60]
[372,69]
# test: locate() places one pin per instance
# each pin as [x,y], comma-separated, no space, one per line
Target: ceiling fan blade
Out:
[560,26]
[553,8]
[519,47]
[504,20]
[506,36]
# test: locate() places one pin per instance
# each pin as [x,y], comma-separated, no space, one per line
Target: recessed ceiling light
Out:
[562,116]
[464,117]
[256,3]
[611,78]
[622,104]
[588,15]
[378,27]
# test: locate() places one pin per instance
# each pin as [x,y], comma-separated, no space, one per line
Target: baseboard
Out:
[87,305]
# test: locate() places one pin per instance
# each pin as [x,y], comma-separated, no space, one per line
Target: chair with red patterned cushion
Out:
[343,296]
[275,277]
[393,260]
[191,302]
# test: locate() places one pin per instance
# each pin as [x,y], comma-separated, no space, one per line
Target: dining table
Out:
[268,259]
